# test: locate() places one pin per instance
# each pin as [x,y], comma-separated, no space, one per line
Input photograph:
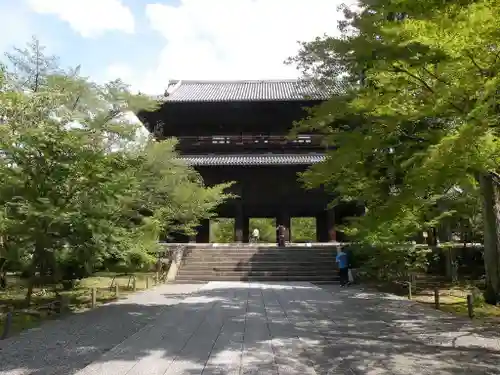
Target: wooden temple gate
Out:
[238,131]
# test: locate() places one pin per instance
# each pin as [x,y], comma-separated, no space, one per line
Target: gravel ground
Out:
[67,345]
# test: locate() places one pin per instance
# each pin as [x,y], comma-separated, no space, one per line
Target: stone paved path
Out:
[268,328]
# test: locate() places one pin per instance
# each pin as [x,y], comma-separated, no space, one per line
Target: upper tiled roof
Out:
[228,91]
[253,159]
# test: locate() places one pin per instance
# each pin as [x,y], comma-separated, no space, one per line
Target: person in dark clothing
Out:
[343,267]
[281,235]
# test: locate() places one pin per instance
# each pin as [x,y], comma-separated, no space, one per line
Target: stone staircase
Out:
[259,263]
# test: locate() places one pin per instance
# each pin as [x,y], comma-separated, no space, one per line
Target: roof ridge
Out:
[229,81]
[245,90]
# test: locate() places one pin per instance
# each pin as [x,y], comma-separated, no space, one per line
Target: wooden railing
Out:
[251,140]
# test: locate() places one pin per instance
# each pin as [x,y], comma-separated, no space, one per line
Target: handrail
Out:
[251,139]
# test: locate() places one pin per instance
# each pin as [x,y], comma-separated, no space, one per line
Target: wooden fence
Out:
[62,303]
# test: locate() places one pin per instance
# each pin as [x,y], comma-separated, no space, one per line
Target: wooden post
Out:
[63,304]
[6,325]
[147,282]
[412,279]
[470,305]
[93,297]
[436,298]
[117,291]
[409,289]
[134,284]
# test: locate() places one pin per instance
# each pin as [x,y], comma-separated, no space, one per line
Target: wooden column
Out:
[203,235]
[239,222]
[246,229]
[321,232]
[330,223]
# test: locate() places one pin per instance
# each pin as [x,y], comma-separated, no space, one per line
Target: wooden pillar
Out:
[321,236]
[289,230]
[330,223]
[239,222]
[444,232]
[325,226]
[246,229]
[203,235]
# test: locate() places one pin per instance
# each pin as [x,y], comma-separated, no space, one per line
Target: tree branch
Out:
[399,69]
[435,76]
[495,60]
[76,102]
[483,71]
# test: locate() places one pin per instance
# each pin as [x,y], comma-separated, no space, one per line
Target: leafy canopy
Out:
[417,115]
[78,189]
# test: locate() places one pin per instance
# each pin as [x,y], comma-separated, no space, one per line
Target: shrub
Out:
[387,262]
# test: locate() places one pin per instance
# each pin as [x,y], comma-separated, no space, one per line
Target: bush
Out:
[387,262]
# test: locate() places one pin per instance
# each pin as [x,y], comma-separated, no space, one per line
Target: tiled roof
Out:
[227,91]
[254,159]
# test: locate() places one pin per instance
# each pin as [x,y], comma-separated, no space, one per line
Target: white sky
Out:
[203,39]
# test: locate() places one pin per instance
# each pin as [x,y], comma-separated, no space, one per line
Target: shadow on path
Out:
[258,328]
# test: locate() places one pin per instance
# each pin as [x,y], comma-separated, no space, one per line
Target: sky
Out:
[147,43]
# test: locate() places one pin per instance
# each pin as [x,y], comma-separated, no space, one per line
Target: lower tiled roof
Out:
[254,159]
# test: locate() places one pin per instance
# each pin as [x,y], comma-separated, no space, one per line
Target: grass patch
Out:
[79,299]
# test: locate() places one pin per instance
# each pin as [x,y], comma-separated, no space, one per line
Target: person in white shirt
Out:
[255,235]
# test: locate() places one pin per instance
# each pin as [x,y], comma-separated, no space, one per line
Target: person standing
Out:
[281,235]
[343,267]
[255,235]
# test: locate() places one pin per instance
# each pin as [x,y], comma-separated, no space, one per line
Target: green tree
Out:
[76,188]
[172,192]
[417,115]
[222,230]
[303,229]
[266,227]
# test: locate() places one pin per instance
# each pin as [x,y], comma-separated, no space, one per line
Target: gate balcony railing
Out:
[251,140]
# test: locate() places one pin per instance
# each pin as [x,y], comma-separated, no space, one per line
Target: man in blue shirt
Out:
[343,267]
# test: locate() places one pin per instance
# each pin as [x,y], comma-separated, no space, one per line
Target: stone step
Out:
[257,250]
[260,248]
[257,247]
[251,261]
[298,257]
[310,278]
[259,257]
[259,266]
[207,272]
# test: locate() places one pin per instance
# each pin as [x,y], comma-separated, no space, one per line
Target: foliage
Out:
[388,263]
[303,229]
[175,193]
[417,117]
[77,190]
[266,227]
[222,230]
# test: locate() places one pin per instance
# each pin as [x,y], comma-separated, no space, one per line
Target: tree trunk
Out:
[31,281]
[491,211]
[3,274]
[35,261]
[29,291]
